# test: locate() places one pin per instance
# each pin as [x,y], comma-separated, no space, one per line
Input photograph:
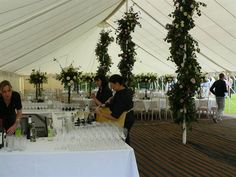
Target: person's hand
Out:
[97,110]
[12,129]
[93,96]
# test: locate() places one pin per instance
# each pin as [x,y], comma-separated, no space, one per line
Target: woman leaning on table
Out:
[122,101]
[10,107]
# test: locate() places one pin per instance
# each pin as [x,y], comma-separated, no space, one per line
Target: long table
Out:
[107,163]
[90,151]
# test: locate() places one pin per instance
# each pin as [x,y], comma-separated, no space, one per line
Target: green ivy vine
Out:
[102,53]
[126,25]
[183,52]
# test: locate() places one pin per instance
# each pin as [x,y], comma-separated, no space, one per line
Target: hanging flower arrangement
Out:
[183,52]
[102,53]
[69,76]
[126,25]
[37,78]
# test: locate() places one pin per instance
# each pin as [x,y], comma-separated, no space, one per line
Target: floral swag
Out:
[102,53]
[126,25]
[183,48]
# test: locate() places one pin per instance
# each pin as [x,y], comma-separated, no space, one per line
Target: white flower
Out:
[74,77]
[192,6]
[185,13]
[71,81]
[181,110]
[68,78]
[182,64]
[69,84]
[182,25]
[181,100]
[176,26]
[193,80]
[180,86]
[181,8]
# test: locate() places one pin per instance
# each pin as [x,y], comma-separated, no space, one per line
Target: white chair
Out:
[203,107]
[139,108]
[155,108]
[168,110]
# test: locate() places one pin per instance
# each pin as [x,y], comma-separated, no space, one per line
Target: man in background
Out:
[219,89]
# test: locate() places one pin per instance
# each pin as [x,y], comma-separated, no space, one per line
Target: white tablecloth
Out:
[109,163]
[89,151]
[44,159]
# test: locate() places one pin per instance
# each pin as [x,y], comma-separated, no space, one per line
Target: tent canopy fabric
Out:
[33,32]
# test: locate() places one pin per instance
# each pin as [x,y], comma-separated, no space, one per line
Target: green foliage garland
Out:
[126,25]
[145,78]
[168,78]
[183,48]
[102,54]
[87,77]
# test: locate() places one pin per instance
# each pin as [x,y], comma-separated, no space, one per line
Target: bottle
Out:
[86,109]
[1,136]
[50,129]
[18,128]
[33,132]
[29,124]
[86,112]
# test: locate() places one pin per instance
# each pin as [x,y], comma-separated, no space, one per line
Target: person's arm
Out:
[212,88]
[103,114]
[98,103]
[18,114]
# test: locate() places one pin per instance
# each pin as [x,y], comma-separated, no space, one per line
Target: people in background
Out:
[10,107]
[103,93]
[120,102]
[219,89]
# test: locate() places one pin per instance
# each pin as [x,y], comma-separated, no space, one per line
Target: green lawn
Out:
[232,105]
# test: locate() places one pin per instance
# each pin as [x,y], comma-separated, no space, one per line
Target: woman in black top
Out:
[10,106]
[103,93]
[120,102]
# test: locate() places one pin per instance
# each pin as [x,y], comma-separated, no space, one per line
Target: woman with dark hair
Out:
[122,101]
[103,93]
[10,107]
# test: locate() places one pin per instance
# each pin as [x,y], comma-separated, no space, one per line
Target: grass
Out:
[232,103]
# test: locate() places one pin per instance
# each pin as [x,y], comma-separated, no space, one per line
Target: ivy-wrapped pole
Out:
[182,49]
[101,52]
[184,137]
[126,25]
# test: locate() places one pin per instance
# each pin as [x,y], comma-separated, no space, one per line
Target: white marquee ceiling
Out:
[33,32]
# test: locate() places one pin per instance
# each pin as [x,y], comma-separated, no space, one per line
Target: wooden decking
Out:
[210,149]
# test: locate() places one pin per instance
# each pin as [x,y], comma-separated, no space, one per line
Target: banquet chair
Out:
[203,107]
[168,110]
[139,109]
[120,121]
[155,108]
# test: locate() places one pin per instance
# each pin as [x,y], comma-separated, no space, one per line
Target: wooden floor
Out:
[210,149]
